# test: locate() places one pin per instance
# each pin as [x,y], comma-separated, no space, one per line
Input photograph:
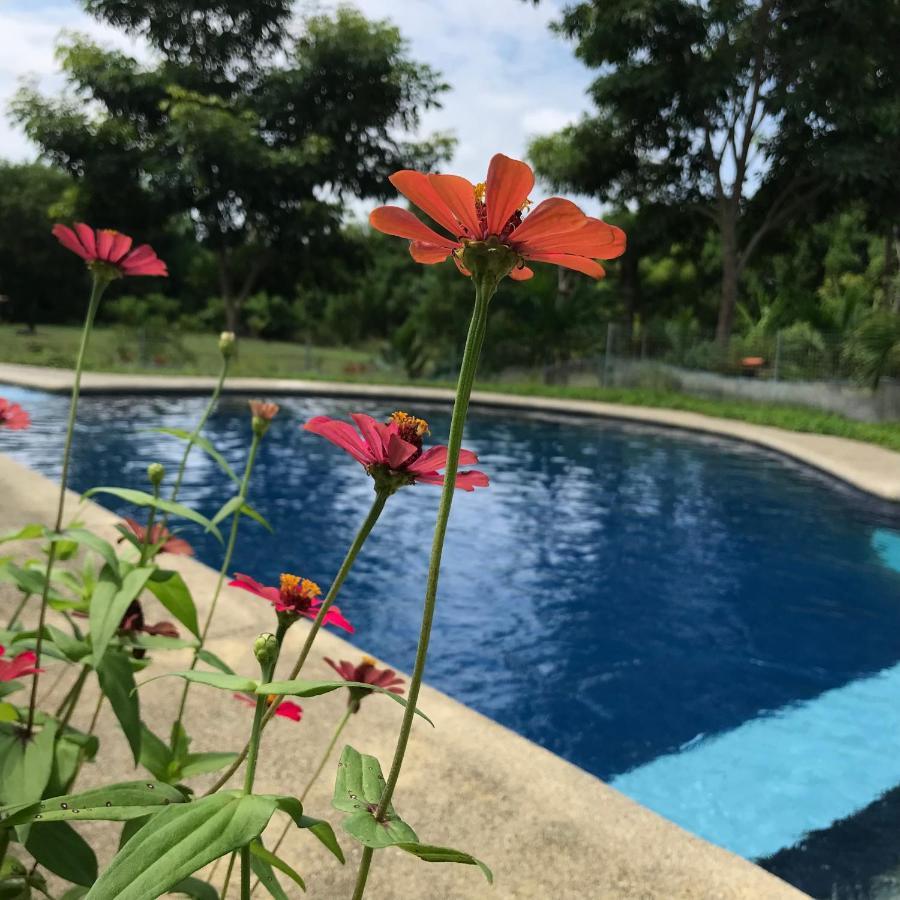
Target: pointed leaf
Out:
[371,832]
[25,765]
[28,533]
[430,853]
[269,860]
[117,682]
[300,687]
[319,827]
[90,540]
[142,498]
[204,444]
[114,803]
[195,888]
[229,507]
[170,589]
[61,849]
[220,680]
[183,839]
[216,662]
[155,754]
[201,763]
[107,610]
[250,512]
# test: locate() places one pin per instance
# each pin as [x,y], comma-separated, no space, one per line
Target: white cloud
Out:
[511,78]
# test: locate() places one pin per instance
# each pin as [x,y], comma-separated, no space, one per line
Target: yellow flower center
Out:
[293,585]
[480,190]
[368,661]
[411,428]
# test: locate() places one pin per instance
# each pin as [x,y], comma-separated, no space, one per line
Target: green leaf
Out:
[90,540]
[430,853]
[71,648]
[302,688]
[229,507]
[267,861]
[371,832]
[221,680]
[113,803]
[117,683]
[182,840]
[216,662]
[204,445]
[28,533]
[61,849]
[74,893]
[25,765]
[319,827]
[195,888]
[131,827]
[107,610]
[170,589]
[160,642]
[155,754]
[250,512]
[142,498]
[8,712]
[72,748]
[201,763]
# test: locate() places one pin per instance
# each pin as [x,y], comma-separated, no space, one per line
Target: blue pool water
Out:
[712,628]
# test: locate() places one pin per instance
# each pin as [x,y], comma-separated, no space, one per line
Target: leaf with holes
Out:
[182,840]
[114,803]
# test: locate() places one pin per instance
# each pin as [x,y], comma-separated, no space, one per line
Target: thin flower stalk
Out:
[485,288]
[223,570]
[101,281]
[381,497]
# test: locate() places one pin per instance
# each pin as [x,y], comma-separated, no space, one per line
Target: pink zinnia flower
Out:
[159,533]
[368,673]
[556,231]
[392,452]
[296,596]
[111,249]
[12,416]
[285,709]
[18,666]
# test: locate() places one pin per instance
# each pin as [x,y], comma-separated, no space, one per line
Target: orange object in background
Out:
[751,365]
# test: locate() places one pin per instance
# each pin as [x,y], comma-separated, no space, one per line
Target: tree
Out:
[698,103]
[255,156]
[32,275]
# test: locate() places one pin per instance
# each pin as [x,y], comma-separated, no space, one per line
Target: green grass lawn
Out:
[117,350]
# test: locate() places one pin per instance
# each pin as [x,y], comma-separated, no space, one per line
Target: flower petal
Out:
[246,583]
[417,187]
[368,427]
[399,451]
[465,481]
[435,458]
[69,240]
[509,181]
[289,710]
[459,194]
[86,236]
[105,238]
[595,239]
[121,245]
[342,435]
[402,223]
[578,263]
[335,617]
[521,274]
[427,253]
[548,217]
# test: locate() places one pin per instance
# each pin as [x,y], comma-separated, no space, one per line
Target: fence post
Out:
[607,359]
[777,370]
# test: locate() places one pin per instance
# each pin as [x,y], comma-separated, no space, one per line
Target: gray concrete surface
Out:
[866,467]
[548,829]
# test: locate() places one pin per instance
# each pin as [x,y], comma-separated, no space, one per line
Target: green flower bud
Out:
[226,344]
[156,472]
[265,649]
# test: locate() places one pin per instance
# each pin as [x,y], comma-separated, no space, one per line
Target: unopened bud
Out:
[226,344]
[263,412]
[156,472]
[265,649]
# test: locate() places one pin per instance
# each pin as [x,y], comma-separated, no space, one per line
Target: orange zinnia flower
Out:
[556,231]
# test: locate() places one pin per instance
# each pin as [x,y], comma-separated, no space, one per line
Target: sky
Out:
[511,77]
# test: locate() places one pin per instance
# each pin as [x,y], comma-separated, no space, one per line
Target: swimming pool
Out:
[713,629]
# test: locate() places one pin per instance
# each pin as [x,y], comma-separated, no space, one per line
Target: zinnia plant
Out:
[12,416]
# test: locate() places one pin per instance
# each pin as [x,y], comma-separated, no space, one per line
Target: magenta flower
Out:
[12,416]
[392,452]
[295,596]
[18,666]
[285,709]
[368,673]
[110,248]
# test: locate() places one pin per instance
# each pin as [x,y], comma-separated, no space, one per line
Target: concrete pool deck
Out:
[547,828]
[866,467]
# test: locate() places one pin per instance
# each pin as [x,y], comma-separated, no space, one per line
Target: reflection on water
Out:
[617,592]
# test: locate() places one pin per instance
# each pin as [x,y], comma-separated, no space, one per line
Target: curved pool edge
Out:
[546,827]
[869,468]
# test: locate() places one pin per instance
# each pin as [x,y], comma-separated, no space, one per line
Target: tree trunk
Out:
[891,276]
[728,301]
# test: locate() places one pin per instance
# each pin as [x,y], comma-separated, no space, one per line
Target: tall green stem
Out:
[223,571]
[213,400]
[26,596]
[99,286]
[151,518]
[360,539]
[484,290]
